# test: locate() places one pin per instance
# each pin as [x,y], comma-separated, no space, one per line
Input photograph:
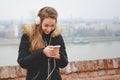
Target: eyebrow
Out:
[48,24]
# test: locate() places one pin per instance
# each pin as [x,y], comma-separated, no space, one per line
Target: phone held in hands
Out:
[56,47]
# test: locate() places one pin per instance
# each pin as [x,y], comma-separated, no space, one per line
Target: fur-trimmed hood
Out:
[29,28]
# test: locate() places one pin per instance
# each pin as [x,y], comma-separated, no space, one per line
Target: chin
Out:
[47,33]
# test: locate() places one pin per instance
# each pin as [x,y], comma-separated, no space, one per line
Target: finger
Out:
[50,46]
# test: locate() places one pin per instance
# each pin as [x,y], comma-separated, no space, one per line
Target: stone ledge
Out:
[83,70]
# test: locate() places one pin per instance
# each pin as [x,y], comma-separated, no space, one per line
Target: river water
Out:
[76,52]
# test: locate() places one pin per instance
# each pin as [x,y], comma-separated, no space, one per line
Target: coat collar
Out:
[29,28]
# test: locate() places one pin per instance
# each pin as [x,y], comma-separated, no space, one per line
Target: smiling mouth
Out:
[47,32]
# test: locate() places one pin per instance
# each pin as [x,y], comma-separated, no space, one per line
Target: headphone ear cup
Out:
[37,20]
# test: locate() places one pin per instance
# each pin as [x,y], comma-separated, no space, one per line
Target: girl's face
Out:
[48,25]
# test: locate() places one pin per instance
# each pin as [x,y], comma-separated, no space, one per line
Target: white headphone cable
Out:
[52,70]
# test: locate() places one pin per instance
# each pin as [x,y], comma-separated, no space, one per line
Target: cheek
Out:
[53,28]
[43,28]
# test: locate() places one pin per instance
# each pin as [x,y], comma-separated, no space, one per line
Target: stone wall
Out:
[102,69]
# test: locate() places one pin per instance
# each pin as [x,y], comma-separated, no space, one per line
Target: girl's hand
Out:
[49,51]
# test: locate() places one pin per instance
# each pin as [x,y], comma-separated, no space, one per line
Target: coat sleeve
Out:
[63,61]
[26,59]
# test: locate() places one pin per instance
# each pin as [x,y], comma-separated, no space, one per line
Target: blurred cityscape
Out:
[72,28]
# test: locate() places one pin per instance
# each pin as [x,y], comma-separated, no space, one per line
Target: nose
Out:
[49,29]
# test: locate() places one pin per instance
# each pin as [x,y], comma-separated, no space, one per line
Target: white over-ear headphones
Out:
[37,20]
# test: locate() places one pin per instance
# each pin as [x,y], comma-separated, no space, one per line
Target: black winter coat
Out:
[36,63]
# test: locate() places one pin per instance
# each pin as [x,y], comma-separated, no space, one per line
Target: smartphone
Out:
[56,47]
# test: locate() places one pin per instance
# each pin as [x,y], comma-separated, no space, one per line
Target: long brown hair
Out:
[36,35]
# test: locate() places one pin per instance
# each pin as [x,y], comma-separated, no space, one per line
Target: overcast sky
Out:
[17,9]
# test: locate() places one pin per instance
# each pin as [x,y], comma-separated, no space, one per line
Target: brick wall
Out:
[102,69]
